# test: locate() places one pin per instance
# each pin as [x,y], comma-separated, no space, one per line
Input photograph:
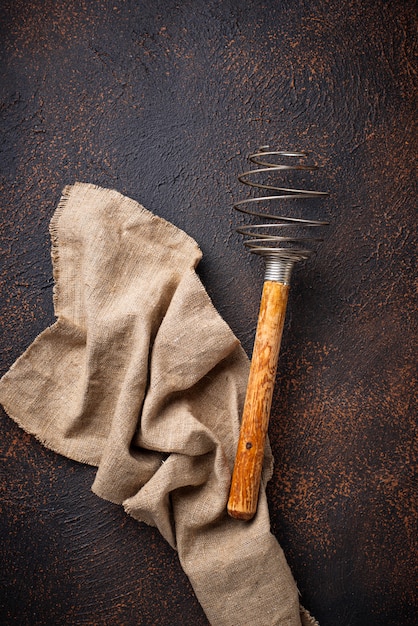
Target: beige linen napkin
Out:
[141,377]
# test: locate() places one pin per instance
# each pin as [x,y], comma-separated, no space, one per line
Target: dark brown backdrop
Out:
[162,100]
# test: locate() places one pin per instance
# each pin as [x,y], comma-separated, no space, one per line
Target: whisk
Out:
[282,241]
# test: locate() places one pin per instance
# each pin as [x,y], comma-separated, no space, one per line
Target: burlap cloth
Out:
[141,377]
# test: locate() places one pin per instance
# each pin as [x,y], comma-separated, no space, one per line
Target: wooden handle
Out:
[243,496]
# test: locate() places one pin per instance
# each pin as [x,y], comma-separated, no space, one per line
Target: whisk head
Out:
[281,240]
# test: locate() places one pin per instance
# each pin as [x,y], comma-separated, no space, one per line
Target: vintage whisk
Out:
[282,241]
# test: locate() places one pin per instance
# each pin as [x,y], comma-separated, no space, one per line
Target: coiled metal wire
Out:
[282,240]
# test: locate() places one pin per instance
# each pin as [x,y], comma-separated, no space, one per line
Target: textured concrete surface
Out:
[162,101]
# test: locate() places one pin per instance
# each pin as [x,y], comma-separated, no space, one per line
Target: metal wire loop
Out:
[282,236]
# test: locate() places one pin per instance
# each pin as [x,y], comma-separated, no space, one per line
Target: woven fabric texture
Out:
[141,377]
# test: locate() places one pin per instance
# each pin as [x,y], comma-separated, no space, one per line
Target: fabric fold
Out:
[141,377]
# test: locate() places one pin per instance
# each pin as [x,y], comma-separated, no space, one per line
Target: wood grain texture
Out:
[163,100]
[246,477]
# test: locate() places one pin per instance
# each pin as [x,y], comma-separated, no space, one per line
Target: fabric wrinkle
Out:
[142,378]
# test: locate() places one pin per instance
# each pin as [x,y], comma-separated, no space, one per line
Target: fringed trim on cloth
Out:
[306,618]
[54,234]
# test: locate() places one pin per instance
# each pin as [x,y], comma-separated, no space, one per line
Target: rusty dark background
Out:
[163,100]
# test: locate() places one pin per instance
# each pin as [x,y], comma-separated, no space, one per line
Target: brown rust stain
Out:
[164,106]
